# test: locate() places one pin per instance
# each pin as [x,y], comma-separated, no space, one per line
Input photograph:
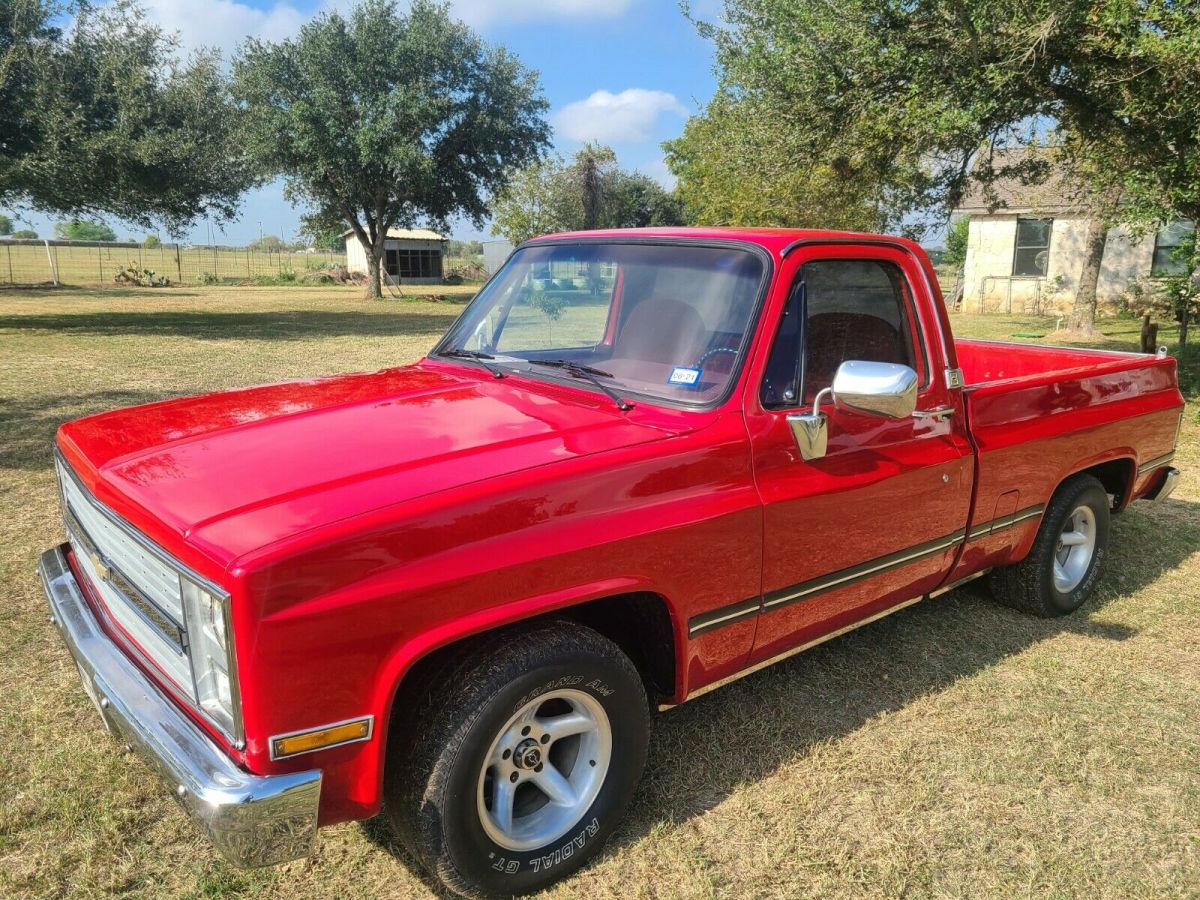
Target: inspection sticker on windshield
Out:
[684,377]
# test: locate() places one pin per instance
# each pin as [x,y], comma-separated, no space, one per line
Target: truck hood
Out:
[234,471]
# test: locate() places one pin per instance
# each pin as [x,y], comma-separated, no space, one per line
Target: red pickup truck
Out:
[639,465]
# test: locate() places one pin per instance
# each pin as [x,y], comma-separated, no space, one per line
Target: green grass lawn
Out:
[957,748]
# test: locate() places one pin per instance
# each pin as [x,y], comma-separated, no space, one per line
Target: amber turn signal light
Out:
[321,738]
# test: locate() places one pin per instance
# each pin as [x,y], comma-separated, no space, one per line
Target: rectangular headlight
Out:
[210,647]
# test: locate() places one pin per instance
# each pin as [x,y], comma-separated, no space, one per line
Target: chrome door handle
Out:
[938,415]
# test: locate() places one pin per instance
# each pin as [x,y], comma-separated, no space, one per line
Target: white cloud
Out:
[480,13]
[607,117]
[224,23]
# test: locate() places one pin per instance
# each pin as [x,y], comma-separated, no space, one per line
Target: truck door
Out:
[878,519]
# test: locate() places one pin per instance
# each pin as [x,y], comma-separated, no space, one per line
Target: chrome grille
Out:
[139,588]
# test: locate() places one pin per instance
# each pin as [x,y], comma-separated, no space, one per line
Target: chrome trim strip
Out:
[1003,523]
[700,692]
[370,720]
[1155,463]
[856,573]
[724,615]
[779,599]
[254,820]
[853,626]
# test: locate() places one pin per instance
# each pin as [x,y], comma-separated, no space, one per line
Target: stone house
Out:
[1025,247]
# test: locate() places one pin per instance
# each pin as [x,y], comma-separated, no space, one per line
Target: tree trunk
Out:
[1083,314]
[374,269]
[1193,261]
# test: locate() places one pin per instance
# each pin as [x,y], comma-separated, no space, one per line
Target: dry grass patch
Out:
[954,749]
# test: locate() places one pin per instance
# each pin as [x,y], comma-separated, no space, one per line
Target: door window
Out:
[839,309]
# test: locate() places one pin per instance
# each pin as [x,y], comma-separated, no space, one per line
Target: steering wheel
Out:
[700,362]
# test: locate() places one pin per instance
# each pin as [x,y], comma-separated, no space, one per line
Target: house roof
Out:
[411,234]
[1030,182]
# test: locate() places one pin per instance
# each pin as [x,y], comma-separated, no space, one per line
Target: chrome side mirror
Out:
[880,389]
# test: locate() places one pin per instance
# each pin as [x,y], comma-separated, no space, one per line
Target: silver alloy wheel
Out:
[544,770]
[1076,546]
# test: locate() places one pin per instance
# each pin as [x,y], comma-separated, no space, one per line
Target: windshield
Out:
[666,321]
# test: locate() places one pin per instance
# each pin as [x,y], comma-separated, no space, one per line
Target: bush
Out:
[956,242]
[132,275]
[209,278]
[24,234]
[285,276]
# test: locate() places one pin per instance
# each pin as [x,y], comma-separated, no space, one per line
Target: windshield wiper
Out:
[588,373]
[476,355]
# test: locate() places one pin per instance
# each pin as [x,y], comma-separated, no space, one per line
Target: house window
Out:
[1167,245]
[1032,253]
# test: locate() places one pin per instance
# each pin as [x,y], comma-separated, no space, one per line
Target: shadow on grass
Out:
[100,293]
[207,325]
[27,425]
[704,750]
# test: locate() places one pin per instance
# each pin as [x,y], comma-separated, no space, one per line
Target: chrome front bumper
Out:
[254,820]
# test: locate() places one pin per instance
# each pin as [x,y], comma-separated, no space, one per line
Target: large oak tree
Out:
[384,118]
[883,109]
[100,114]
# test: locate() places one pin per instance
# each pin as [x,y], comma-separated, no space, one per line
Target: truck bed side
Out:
[1039,414]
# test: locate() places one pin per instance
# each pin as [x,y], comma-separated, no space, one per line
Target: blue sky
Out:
[624,72]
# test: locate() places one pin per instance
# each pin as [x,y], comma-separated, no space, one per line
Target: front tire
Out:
[522,761]
[1067,557]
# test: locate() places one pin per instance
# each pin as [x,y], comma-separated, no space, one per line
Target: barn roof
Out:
[411,234]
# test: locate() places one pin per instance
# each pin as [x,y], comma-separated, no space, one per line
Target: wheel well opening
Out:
[638,623]
[1117,478]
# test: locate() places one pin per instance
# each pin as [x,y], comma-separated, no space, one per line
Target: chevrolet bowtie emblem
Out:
[101,568]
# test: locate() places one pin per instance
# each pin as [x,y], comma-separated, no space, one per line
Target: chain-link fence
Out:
[96,262]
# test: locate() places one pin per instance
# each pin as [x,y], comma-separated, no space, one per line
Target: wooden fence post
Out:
[8,249]
[53,264]
[178,264]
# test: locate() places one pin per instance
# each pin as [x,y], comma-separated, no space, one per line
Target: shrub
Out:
[132,275]
[956,242]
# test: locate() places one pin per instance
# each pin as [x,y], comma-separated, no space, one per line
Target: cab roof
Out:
[773,240]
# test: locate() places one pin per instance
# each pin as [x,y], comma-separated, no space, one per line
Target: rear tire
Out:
[1067,557]
[522,761]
